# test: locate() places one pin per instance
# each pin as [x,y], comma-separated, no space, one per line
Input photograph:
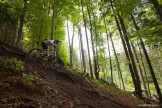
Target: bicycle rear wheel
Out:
[34,54]
[55,63]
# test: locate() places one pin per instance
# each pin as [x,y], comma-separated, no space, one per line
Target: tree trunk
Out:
[149,65]
[53,20]
[97,68]
[82,52]
[89,56]
[144,69]
[40,35]
[9,33]
[117,61]
[93,49]
[22,18]
[152,72]
[125,49]
[71,50]
[140,70]
[108,47]
[69,41]
[139,91]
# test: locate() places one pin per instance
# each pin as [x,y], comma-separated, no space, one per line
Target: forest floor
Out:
[56,89]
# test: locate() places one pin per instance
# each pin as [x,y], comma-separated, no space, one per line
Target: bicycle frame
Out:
[51,61]
[54,54]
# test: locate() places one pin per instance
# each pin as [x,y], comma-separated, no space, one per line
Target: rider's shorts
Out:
[45,46]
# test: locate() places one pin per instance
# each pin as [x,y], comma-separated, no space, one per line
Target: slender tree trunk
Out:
[80,52]
[81,45]
[110,61]
[125,49]
[40,35]
[149,65]
[139,91]
[158,8]
[96,60]
[53,20]
[144,69]
[140,70]
[117,61]
[69,41]
[44,3]
[108,46]
[71,52]
[89,56]
[22,18]
[93,49]
[152,72]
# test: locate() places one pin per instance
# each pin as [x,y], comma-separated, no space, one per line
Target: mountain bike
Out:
[50,61]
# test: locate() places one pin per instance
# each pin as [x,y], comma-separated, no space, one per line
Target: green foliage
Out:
[69,68]
[75,102]
[15,65]
[112,89]
[125,7]
[15,98]
[9,11]
[63,52]
[95,81]
[28,78]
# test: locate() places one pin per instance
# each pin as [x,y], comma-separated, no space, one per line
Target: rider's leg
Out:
[45,49]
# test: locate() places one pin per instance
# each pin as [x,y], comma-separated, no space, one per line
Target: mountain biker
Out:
[47,43]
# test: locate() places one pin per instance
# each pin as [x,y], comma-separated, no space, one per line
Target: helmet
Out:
[57,40]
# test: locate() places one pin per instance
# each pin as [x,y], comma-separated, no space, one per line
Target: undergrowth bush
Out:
[95,81]
[15,65]
[74,102]
[28,78]
[15,99]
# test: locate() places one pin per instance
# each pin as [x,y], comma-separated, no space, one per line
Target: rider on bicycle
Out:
[47,43]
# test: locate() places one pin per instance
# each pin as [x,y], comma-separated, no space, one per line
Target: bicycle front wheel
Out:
[55,63]
[34,54]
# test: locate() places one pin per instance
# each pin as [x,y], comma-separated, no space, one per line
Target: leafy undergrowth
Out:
[24,83]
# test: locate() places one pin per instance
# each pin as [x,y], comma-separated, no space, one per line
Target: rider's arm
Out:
[51,42]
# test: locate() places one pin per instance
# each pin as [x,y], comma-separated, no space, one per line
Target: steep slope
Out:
[53,89]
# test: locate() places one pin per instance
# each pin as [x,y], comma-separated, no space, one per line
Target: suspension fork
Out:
[55,54]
